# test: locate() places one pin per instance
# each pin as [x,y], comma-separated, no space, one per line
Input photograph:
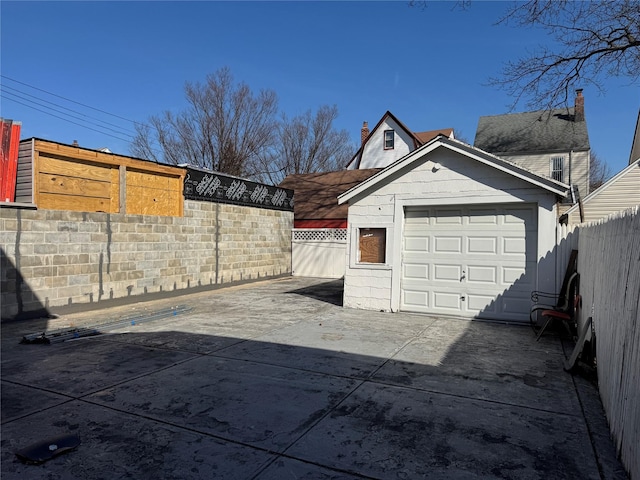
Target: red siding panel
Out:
[336,223]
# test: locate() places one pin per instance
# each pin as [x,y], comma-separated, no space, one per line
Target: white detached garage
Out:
[451,230]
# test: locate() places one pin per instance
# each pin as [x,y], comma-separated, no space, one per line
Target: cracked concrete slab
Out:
[119,445]
[245,402]
[19,401]
[395,432]
[80,367]
[464,364]
[276,380]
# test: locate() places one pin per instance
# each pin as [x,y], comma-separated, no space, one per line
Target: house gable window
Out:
[557,168]
[372,245]
[388,139]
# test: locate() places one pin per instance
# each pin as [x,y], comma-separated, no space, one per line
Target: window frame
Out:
[555,172]
[354,246]
[381,251]
[392,140]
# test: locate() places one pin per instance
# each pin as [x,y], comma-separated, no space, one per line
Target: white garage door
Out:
[472,261]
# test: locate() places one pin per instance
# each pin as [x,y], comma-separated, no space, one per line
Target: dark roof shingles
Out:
[531,132]
[316,194]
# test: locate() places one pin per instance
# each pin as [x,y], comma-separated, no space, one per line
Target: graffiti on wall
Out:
[216,187]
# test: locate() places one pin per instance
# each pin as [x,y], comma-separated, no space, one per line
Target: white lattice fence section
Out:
[609,264]
[320,235]
[319,252]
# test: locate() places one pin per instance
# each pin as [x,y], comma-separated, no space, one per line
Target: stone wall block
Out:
[66,257]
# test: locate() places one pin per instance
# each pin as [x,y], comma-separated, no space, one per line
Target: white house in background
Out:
[451,230]
[552,143]
[389,141]
[620,192]
[319,235]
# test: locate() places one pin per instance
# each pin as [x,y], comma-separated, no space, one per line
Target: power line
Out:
[62,118]
[121,131]
[69,100]
[12,95]
[20,94]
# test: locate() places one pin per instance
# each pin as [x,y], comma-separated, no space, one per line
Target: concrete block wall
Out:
[53,259]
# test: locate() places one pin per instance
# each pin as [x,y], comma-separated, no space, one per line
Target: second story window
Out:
[388,139]
[557,168]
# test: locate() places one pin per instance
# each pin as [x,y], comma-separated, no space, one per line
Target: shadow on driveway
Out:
[274,381]
[328,291]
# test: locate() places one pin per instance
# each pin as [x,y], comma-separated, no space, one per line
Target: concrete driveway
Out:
[275,380]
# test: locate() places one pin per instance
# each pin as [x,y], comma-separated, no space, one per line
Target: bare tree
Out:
[593,40]
[599,172]
[308,143]
[226,128]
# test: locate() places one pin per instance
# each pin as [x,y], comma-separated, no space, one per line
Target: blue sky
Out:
[429,67]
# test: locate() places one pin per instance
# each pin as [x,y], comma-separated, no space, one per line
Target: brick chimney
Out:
[579,107]
[364,133]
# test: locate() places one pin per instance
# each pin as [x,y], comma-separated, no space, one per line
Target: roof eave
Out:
[541,152]
[501,164]
[550,185]
[605,186]
[416,141]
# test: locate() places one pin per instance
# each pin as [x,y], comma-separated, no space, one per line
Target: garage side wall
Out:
[52,259]
[444,178]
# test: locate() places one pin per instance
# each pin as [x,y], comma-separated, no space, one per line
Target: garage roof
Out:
[481,156]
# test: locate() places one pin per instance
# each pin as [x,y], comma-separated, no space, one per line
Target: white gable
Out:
[474,202]
[618,193]
[374,153]
[476,156]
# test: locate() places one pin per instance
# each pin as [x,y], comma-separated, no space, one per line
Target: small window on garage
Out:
[372,245]
[388,139]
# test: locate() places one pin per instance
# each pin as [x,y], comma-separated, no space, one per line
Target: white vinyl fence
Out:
[568,239]
[318,252]
[609,267]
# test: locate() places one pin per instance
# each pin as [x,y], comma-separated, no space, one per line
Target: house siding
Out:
[621,194]
[459,180]
[375,156]
[24,177]
[541,165]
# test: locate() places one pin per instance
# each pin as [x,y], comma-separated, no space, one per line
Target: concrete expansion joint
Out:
[273,378]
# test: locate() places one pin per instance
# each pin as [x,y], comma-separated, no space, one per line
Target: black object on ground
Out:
[42,451]
[61,335]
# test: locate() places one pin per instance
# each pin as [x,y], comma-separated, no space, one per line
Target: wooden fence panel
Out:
[153,194]
[609,264]
[70,184]
[68,177]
